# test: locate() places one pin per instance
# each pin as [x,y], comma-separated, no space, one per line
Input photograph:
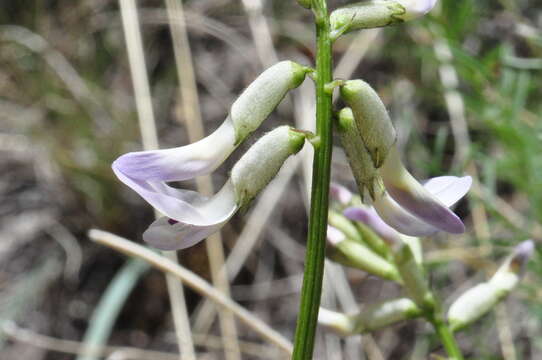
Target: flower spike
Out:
[202,157]
[191,217]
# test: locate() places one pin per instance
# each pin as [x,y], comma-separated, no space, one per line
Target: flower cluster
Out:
[368,138]
[190,217]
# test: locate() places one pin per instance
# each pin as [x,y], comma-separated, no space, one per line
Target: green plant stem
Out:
[445,335]
[315,255]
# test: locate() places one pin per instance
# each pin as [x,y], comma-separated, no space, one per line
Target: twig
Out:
[193,281]
[75,347]
[149,136]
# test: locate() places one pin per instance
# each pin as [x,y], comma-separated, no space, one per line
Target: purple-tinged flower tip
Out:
[421,202]
[521,255]
[369,217]
[340,194]
[334,235]
[401,220]
[181,163]
[416,8]
[524,250]
[189,216]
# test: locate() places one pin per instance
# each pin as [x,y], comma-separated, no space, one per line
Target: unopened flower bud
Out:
[479,300]
[371,318]
[355,254]
[259,165]
[378,13]
[360,160]
[377,316]
[263,95]
[372,119]
[413,276]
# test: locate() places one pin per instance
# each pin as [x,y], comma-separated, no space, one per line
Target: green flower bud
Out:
[413,276]
[366,15]
[357,255]
[377,13]
[371,318]
[380,315]
[361,163]
[372,119]
[375,242]
[473,304]
[263,95]
[259,165]
[340,222]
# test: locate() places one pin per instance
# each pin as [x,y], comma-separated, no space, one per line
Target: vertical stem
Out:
[314,258]
[445,335]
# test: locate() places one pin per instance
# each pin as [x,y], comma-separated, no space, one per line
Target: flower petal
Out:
[416,8]
[370,217]
[400,219]
[180,163]
[340,193]
[182,232]
[411,195]
[448,189]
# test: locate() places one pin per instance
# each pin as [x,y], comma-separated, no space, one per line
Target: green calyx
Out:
[359,158]
[262,161]
[296,140]
[366,15]
[263,95]
[371,117]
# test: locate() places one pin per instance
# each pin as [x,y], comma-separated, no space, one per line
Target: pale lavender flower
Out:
[189,216]
[202,157]
[339,193]
[369,139]
[388,215]
[368,216]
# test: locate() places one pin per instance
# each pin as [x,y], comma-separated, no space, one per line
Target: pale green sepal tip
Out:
[299,73]
[346,119]
[296,139]
[263,95]
[351,89]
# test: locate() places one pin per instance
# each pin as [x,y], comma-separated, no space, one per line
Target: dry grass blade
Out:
[193,281]
[192,118]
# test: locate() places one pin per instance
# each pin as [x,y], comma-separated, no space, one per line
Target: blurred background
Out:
[462,86]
